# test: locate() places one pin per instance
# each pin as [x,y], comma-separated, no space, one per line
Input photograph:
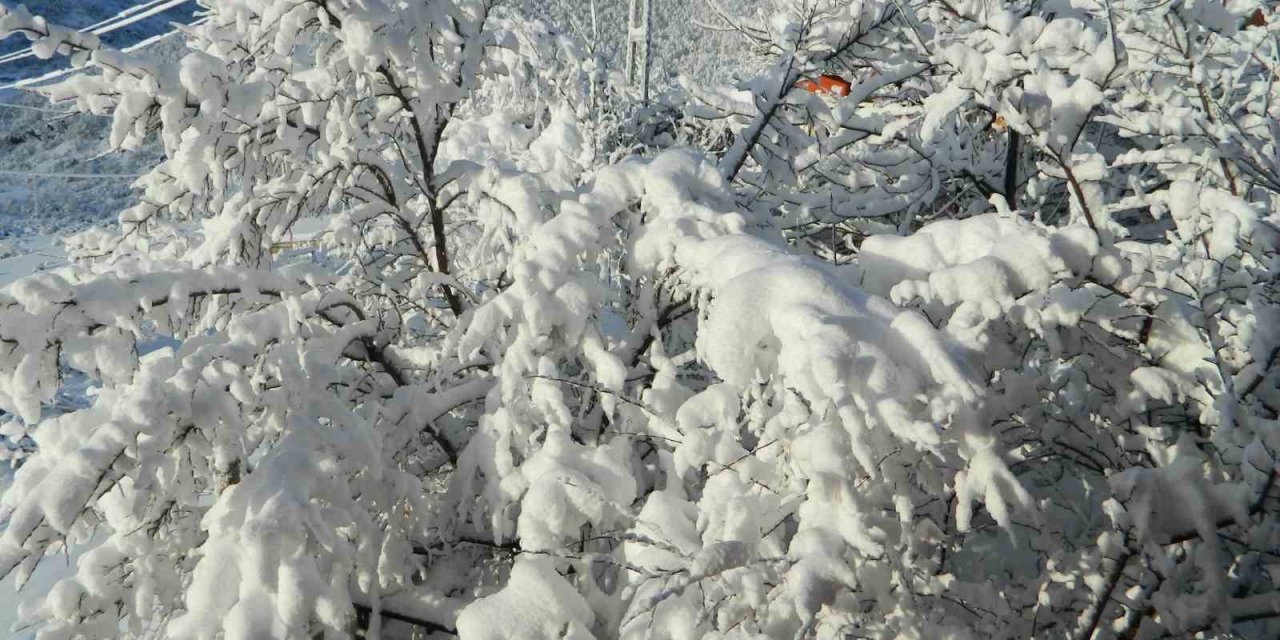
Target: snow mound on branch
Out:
[773,314]
[569,486]
[766,312]
[987,258]
[864,380]
[536,604]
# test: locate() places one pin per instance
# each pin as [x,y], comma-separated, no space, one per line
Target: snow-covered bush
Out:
[393,344]
[1121,305]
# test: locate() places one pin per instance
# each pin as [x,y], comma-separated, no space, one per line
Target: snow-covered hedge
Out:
[986,348]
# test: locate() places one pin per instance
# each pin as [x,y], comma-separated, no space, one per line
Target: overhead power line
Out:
[41,174]
[31,108]
[118,21]
[54,75]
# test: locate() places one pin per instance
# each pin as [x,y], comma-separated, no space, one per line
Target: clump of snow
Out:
[536,603]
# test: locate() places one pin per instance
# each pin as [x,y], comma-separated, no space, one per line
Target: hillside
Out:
[56,171]
[81,15]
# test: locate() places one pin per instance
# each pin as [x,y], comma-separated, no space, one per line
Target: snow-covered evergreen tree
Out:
[414,334]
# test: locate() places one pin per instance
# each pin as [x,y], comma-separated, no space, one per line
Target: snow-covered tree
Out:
[401,338]
[1108,136]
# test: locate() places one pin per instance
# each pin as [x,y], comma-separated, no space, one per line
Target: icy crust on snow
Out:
[859,380]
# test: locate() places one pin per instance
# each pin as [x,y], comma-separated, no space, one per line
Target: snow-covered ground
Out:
[56,173]
[29,255]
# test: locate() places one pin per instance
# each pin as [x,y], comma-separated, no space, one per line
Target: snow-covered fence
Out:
[42,200]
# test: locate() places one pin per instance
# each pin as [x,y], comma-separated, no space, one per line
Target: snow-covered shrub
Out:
[394,345]
[1120,304]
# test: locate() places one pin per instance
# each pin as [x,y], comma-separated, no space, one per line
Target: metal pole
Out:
[632,48]
[35,195]
[648,47]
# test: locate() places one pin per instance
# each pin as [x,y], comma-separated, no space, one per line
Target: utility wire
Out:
[119,21]
[54,75]
[41,174]
[31,108]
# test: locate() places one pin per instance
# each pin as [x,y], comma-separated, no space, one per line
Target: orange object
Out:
[828,84]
